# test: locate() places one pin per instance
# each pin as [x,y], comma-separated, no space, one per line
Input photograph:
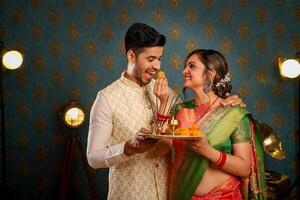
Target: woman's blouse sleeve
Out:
[242,133]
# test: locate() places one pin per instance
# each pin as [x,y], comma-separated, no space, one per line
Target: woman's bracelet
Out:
[222,159]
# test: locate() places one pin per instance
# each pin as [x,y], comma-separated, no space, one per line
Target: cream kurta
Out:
[140,176]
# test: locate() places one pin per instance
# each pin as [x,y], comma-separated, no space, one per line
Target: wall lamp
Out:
[10,60]
[74,115]
[289,67]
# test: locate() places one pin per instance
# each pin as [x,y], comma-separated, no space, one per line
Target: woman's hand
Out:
[201,146]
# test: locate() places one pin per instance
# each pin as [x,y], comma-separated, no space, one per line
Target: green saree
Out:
[189,167]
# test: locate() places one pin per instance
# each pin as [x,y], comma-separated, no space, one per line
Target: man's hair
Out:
[140,35]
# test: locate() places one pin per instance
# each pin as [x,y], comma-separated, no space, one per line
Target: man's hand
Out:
[161,90]
[139,144]
[233,100]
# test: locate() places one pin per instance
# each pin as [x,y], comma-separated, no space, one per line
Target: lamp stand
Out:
[69,153]
[3,151]
[296,184]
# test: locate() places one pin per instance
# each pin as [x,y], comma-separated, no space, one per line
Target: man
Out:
[121,110]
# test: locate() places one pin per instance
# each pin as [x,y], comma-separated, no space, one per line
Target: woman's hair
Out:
[214,60]
[140,35]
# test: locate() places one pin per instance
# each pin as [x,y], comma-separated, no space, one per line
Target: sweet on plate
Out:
[192,131]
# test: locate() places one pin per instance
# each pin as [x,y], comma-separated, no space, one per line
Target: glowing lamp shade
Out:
[12,60]
[289,68]
[74,115]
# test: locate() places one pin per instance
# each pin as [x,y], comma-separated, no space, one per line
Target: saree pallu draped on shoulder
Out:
[187,172]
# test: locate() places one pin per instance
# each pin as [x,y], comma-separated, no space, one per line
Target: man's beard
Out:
[138,77]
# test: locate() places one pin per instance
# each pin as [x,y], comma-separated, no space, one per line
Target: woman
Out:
[219,165]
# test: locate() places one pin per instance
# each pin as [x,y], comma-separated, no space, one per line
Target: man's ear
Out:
[131,57]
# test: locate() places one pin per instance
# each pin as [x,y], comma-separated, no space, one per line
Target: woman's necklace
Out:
[201,114]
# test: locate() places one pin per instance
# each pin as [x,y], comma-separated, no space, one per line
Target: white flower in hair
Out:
[224,80]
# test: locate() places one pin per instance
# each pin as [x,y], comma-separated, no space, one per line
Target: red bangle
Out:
[221,160]
[162,118]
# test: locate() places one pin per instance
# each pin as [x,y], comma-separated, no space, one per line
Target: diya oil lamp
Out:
[173,124]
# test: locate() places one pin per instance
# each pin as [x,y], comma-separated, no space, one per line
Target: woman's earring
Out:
[207,86]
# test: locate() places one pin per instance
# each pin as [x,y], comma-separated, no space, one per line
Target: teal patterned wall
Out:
[73,48]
